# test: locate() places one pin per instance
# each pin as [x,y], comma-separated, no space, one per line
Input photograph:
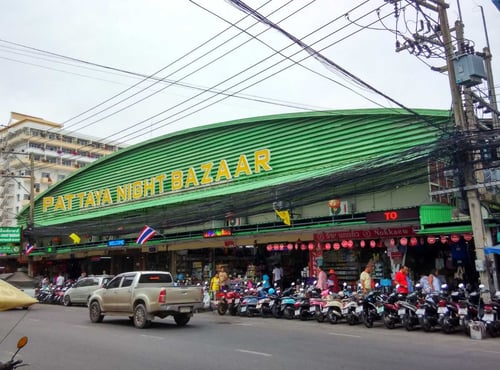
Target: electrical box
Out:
[480,266]
[469,70]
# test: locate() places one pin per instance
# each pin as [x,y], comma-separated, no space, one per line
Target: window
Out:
[127,280]
[115,283]
[155,278]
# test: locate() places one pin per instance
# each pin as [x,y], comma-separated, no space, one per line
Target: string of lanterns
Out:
[404,241]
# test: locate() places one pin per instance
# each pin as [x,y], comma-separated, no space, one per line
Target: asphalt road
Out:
[64,338]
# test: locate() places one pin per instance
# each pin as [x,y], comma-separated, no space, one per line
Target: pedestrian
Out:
[365,279]
[83,275]
[277,275]
[322,283]
[400,280]
[434,282]
[223,278]
[60,280]
[214,285]
[424,283]
[333,281]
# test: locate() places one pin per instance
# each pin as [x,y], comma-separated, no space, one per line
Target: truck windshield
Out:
[155,278]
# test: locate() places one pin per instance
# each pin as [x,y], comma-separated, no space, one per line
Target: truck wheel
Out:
[182,319]
[141,317]
[67,300]
[95,312]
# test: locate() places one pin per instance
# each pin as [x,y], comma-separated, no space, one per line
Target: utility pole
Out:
[465,123]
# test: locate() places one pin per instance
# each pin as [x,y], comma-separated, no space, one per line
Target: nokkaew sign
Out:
[10,234]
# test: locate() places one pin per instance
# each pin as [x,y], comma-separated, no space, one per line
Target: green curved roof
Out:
[321,147]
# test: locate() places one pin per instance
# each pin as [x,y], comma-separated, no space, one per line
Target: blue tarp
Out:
[490,250]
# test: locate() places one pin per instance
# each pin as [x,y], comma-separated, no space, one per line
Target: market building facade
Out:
[336,189]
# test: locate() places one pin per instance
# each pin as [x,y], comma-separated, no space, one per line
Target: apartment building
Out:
[31,144]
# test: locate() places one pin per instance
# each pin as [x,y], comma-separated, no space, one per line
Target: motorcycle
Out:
[454,316]
[431,310]
[248,304]
[11,364]
[491,316]
[393,310]
[353,309]
[408,308]
[229,302]
[373,307]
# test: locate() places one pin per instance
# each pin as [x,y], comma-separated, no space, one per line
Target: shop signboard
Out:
[365,234]
[10,234]
[9,249]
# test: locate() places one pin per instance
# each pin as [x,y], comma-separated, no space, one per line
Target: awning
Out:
[492,250]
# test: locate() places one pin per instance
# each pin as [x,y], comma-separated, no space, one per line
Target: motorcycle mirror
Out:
[22,342]
[461,285]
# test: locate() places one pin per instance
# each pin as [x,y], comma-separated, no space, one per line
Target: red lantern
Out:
[373,243]
[350,244]
[403,242]
[468,237]
[289,246]
[431,240]
[328,246]
[392,242]
[336,246]
[282,246]
[269,247]
[443,239]
[362,243]
[413,241]
[344,243]
[303,247]
[455,238]
[311,246]
[276,247]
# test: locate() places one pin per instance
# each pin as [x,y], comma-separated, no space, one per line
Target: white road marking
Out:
[243,324]
[346,335]
[254,353]
[488,351]
[150,336]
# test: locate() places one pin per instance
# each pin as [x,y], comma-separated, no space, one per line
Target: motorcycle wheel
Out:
[389,323]
[319,316]
[233,310]
[288,313]
[303,315]
[407,323]
[447,328]
[221,308]
[426,325]
[332,317]
[351,319]
[368,320]
[275,311]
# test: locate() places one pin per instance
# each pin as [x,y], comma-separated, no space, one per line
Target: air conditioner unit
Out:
[235,221]
[345,208]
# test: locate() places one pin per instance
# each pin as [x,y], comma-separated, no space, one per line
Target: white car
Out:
[81,291]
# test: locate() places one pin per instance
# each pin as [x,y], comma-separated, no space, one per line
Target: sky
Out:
[84,63]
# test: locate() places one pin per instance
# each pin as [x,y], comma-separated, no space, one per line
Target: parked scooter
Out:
[373,307]
[408,308]
[433,307]
[491,316]
[14,364]
[454,317]
[393,310]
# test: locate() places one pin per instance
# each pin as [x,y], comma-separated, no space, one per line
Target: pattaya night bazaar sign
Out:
[204,174]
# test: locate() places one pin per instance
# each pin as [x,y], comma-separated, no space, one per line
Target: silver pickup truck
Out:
[144,295]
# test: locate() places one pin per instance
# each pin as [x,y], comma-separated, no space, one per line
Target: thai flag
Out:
[146,234]
[29,248]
